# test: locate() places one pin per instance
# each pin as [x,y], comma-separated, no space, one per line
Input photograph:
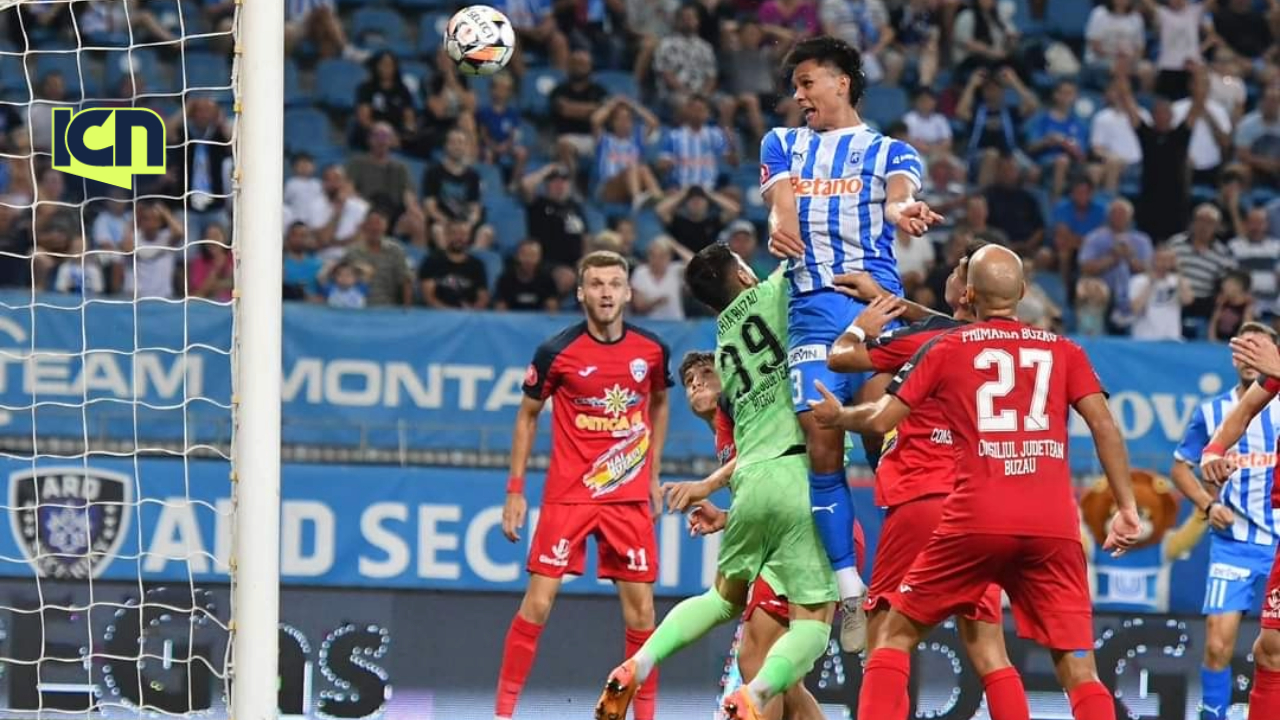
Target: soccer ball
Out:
[480,40]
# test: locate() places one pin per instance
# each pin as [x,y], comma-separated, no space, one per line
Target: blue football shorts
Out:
[1237,571]
[815,320]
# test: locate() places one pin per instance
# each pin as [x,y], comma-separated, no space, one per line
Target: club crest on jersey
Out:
[855,157]
[69,521]
[639,369]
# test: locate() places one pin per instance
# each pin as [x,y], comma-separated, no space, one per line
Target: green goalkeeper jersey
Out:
[751,355]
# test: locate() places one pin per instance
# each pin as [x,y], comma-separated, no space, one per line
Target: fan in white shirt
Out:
[1113,139]
[657,286]
[928,130]
[1114,30]
[1156,299]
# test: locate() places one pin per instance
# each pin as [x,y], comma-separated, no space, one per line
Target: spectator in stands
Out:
[555,219]
[202,162]
[536,28]
[154,268]
[657,286]
[864,24]
[993,125]
[1241,28]
[338,218]
[1058,138]
[384,267]
[1230,201]
[574,103]
[29,20]
[1014,210]
[16,245]
[1093,301]
[1210,134]
[685,64]
[318,21]
[748,66]
[928,130]
[451,187]
[1233,307]
[384,181]
[1074,217]
[1113,254]
[932,293]
[450,276]
[302,267]
[621,172]
[1226,84]
[1115,30]
[499,125]
[1180,25]
[1156,299]
[1164,160]
[447,103]
[694,216]
[646,22]
[383,98]
[740,236]
[976,226]
[916,37]
[625,228]
[50,92]
[107,231]
[51,206]
[1114,142]
[525,284]
[1257,139]
[944,188]
[1203,260]
[303,192]
[915,257]
[1257,252]
[77,274]
[691,153]
[103,22]
[212,272]
[347,286]
[1036,308]
[981,38]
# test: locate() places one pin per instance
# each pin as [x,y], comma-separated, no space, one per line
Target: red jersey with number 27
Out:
[600,429]
[1005,389]
[918,459]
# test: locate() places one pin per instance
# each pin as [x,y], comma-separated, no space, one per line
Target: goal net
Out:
[124,287]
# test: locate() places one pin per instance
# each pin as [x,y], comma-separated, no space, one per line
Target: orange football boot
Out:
[619,689]
[740,706]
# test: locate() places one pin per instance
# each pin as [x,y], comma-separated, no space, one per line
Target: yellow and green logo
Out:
[109,145]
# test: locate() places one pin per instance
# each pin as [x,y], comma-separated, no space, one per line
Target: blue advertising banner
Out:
[389,527]
[418,379]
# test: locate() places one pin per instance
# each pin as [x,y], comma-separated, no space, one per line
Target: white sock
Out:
[644,665]
[760,692]
[850,583]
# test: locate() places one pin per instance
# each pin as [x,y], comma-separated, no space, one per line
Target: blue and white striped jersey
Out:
[696,154]
[840,179]
[1248,491]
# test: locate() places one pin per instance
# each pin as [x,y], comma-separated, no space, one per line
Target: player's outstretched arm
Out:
[660,416]
[526,429]
[1206,504]
[877,417]
[681,495]
[903,211]
[1258,352]
[1215,466]
[849,351]
[775,187]
[1114,457]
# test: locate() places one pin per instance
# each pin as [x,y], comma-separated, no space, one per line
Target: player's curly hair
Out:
[834,53]
[693,359]
[708,273]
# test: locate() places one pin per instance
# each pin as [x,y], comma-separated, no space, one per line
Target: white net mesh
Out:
[116,361]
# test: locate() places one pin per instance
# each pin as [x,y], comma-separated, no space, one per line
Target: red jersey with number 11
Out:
[1005,389]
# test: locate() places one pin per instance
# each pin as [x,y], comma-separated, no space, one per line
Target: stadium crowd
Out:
[1129,150]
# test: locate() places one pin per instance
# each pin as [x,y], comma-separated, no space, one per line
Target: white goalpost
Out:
[140,356]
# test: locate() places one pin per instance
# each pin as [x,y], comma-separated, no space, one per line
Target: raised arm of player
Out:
[1215,466]
[526,429]
[849,352]
[1258,352]
[681,495]
[901,208]
[1187,457]
[660,416]
[877,417]
[775,187]
[1113,455]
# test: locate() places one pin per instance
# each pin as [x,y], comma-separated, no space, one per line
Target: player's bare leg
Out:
[1264,699]
[1077,672]
[758,635]
[522,641]
[685,624]
[884,693]
[1221,631]
[638,617]
[984,644]
[788,661]
[833,514]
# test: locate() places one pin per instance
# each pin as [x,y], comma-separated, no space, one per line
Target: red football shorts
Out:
[906,530]
[626,546]
[1271,598]
[763,597]
[1046,580]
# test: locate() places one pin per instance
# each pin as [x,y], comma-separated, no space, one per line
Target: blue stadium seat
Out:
[885,104]
[307,130]
[207,70]
[381,28]
[341,79]
[1023,21]
[431,33]
[617,82]
[416,169]
[64,63]
[294,96]
[648,227]
[490,179]
[13,79]
[536,89]
[506,215]
[492,265]
[1067,19]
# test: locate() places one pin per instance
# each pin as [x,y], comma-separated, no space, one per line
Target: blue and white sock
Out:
[1216,700]
[833,515]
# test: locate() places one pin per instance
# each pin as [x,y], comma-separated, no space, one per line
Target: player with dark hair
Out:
[1005,390]
[838,191]
[1243,545]
[769,528]
[609,380]
[1217,464]
[917,471]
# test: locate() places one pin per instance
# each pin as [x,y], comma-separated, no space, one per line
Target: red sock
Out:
[1092,701]
[517,659]
[646,702]
[1006,700]
[884,694]
[1264,699]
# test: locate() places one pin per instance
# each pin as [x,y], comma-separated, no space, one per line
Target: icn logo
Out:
[109,145]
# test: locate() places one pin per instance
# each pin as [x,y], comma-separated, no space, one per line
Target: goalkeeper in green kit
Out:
[770,524]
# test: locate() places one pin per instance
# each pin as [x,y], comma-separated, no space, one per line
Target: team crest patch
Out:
[639,369]
[531,375]
[70,521]
[855,157]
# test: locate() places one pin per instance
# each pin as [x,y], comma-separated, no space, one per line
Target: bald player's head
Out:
[995,282]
